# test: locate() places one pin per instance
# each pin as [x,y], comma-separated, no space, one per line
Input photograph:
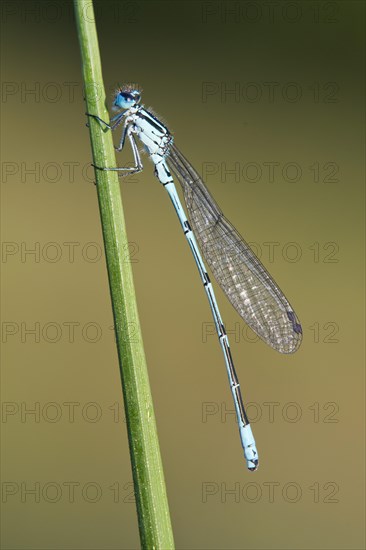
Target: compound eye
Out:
[124,100]
[123,97]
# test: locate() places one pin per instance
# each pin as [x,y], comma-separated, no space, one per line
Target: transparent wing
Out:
[241,275]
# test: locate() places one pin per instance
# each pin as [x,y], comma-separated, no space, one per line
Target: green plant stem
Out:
[151,499]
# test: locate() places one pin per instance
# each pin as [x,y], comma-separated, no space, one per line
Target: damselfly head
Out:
[127,97]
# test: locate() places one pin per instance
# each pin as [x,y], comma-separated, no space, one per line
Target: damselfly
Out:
[242,277]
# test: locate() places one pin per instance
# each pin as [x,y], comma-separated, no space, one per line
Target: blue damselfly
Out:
[241,275]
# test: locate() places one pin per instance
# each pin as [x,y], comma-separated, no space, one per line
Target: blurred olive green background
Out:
[293,131]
